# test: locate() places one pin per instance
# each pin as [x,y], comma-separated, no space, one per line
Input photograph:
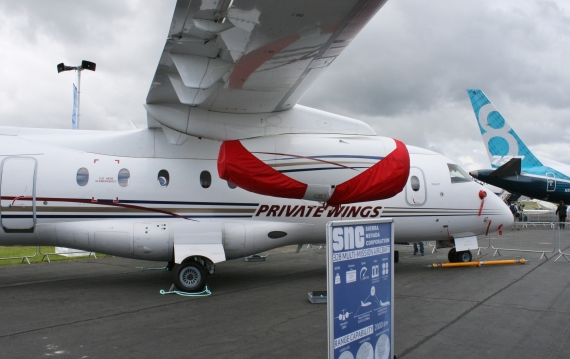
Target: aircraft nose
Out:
[474,174]
[501,214]
[506,217]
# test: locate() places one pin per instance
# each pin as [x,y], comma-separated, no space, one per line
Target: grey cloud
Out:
[125,39]
[67,20]
[416,53]
[405,73]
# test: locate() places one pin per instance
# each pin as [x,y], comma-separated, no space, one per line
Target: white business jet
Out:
[230,165]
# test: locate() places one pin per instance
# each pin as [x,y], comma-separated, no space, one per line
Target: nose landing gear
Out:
[457,257]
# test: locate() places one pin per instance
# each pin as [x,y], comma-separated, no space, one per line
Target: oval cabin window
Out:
[82,176]
[163,178]
[123,178]
[205,179]
[415,182]
[231,185]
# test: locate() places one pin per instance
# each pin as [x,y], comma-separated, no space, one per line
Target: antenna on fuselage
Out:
[85,65]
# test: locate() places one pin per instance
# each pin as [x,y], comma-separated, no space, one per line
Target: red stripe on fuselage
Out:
[89,201]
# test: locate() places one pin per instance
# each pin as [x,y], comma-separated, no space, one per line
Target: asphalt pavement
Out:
[108,308]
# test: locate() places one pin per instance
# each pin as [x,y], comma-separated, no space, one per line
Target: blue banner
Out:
[74,112]
[360,289]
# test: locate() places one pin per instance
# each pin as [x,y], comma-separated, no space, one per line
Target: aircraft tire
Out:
[451,255]
[396,256]
[189,276]
[463,256]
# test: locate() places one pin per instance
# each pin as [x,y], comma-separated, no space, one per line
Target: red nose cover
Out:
[385,179]
[238,166]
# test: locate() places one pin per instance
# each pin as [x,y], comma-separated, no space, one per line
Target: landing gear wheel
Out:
[396,256]
[451,255]
[189,276]
[463,256]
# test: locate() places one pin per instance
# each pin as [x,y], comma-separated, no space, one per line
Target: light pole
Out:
[85,65]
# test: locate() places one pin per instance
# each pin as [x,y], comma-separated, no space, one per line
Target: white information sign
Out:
[466,243]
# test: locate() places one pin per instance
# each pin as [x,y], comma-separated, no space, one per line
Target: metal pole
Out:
[78,70]
[85,65]
[476,263]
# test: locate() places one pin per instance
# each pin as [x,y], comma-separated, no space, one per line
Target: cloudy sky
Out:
[405,74]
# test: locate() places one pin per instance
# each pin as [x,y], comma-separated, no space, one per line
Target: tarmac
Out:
[108,308]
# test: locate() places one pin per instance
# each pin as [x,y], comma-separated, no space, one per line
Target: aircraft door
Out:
[18,192]
[550,182]
[416,192]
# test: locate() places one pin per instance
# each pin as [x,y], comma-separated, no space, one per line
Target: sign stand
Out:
[360,288]
[316,297]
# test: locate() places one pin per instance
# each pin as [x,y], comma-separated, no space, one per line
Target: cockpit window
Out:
[457,174]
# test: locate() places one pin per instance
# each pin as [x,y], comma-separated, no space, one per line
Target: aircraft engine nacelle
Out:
[331,169]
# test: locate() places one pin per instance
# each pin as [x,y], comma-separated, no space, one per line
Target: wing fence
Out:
[536,237]
[25,253]
[545,237]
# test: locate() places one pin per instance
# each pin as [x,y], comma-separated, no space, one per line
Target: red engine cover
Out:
[240,167]
[383,180]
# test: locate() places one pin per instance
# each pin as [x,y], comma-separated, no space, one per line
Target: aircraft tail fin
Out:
[501,141]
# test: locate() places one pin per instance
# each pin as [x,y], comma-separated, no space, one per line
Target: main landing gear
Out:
[457,257]
[191,274]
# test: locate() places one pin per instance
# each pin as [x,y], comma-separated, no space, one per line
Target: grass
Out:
[34,254]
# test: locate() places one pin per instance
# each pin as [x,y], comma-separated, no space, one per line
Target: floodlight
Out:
[88,65]
[61,67]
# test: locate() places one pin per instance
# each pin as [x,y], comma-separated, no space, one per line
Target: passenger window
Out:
[457,174]
[415,182]
[163,178]
[123,177]
[82,177]
[205,179]
[231,185]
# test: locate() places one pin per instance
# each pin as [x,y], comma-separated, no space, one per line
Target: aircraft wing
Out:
[252,56]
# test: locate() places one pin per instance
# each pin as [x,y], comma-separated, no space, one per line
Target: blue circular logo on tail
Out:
[495,120]
[498,146]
